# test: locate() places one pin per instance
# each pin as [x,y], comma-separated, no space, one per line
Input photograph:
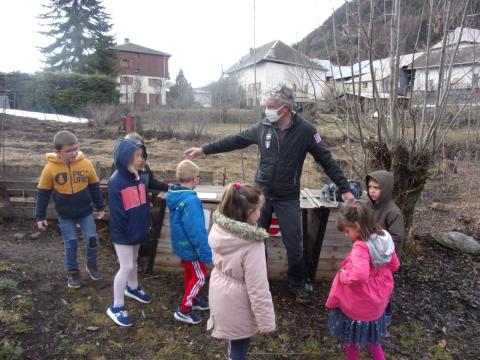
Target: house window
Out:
[365,85]
[294,87]
[126,80]
[156,83]
[430,84]
[455,82]
[125,63]
[475,78]
[251,88]
[306,89]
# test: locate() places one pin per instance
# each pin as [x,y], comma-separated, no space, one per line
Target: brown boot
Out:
[73,279]
[92,270]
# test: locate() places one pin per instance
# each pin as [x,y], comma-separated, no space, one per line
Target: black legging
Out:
[238,349]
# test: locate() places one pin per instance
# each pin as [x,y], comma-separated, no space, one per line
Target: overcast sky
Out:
[202,36]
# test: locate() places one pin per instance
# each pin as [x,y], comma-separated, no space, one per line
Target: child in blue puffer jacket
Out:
[129,225]
[189,239]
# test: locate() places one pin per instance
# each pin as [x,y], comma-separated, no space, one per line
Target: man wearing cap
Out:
[284,138]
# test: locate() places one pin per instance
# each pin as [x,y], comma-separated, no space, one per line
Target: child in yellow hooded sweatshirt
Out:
[75,187]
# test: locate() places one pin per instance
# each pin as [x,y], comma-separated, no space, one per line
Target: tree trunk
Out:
[410,171]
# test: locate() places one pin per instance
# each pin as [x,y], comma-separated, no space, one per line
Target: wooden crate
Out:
[17,200]
[334,249]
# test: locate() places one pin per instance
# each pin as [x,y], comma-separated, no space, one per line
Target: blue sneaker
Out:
[200,304]
[188,318]
[119,316]
[138,294]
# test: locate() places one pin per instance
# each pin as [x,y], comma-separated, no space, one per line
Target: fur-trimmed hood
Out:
[241,229]
[234,234]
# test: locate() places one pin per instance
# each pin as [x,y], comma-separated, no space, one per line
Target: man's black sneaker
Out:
[302,294]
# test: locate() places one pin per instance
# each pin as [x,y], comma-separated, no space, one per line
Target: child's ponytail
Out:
[238,200]
[358,215]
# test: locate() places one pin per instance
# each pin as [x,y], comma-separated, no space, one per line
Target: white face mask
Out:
[272,114]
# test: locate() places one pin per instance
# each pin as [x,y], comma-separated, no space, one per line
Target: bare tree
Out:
[137,88]
[396,134]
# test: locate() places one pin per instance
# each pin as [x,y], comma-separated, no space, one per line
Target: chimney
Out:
[127,40]
[251,51]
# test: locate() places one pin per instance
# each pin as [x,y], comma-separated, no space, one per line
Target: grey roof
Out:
[275,51]
[469,36]
[344,72]
[464,55]
[131,47]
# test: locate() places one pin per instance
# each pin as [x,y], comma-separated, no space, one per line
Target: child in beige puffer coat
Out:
[239,296]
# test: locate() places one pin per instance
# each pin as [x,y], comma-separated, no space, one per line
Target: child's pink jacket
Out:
[360,290]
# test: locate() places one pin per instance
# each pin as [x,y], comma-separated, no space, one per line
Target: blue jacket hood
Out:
[177,194]
[123,152]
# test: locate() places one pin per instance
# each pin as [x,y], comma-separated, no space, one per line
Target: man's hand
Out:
[192,153]
[100,215]
[348,198]
[42,225]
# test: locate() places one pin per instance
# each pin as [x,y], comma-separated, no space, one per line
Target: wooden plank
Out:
[333,253]
[18,184]
[337,240]
[22,192]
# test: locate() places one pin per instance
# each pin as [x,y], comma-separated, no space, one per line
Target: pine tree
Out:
[81,32]
[180,95]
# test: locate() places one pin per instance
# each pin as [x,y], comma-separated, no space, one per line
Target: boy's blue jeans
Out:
[70,239]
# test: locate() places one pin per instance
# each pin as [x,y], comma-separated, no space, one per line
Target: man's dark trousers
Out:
[289,218]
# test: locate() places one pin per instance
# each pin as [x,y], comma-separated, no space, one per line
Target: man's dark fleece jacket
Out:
[282,154]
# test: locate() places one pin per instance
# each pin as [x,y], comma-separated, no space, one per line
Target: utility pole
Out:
[254,58]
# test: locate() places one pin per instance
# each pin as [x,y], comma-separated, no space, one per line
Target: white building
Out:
[465,70]
[278,63]
[202,97]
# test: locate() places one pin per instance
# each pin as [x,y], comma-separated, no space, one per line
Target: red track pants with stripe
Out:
[194,279]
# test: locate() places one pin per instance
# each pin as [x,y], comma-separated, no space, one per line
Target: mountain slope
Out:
[354,15]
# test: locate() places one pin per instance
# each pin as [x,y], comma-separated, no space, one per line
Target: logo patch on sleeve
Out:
[317,138]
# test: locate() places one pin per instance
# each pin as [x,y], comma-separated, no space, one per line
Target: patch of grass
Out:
[114,344]
[409,334]
[25,306]
[86,349]
[269,344]
[82,307]
[8,284]
[47,289]
[20,328]
[5,265]
[311,347]
[10,351]
[65,345]
[9,317]
[13,322]
[437,352]
[99,319]
[174,351]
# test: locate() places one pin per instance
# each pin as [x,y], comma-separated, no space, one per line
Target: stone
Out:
[93,328]
[35,235]
[457,241]
[19,236]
